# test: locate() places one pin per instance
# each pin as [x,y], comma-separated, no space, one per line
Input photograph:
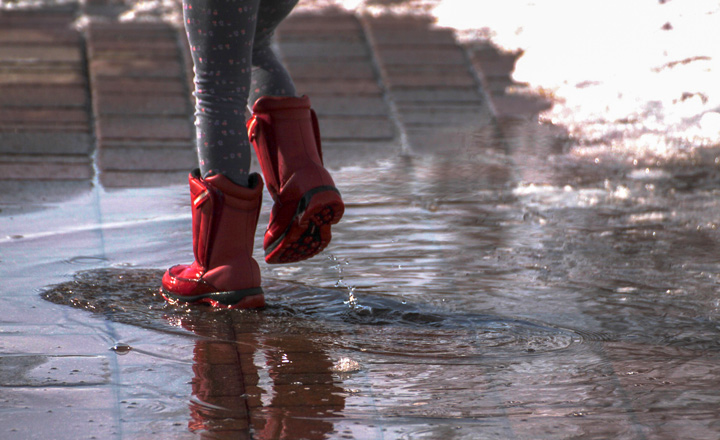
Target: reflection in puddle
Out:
[269,372]
[436,252]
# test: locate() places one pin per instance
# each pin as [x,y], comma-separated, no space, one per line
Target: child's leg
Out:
[221,34]
[269,76]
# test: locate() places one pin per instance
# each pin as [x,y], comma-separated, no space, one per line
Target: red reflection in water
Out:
[291,394]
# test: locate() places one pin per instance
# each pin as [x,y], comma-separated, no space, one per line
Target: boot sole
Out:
[309,231]
[253,298]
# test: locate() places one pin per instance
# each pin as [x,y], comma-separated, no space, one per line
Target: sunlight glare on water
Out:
[634,78]
[637,75]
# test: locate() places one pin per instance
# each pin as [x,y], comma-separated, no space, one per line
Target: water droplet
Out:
[121,348]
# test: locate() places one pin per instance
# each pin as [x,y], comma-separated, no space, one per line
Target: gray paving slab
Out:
[43,96]
[45,52]
[352,105]
[18,170]
[142,179]
[142,104]
[22,195]
[127,85]
[143,127]
[45,116]
[59,79]
[331,68]
[147,159]
[136,68]
[333,105]
[12,35]
[322,50]
[52,143]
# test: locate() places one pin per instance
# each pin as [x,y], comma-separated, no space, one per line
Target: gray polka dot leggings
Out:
[230,41]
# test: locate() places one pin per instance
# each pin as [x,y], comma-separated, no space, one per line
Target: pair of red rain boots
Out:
[286,137]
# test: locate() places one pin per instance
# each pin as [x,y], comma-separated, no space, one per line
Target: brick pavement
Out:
[45,130]
[114,98]
[141,103]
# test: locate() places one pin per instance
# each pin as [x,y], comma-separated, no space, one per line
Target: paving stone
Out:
[338,87]
[100,47]
[59,79]
[135,54]
[50,116]
[335,68]
[29,53]
[128,31]
[77,412]
[40,67]
[130,127]
[46,143]
[331,69]
[139,86]
[55,36]
[142,179]
[349,36]
[465,94]
[147,159]
[136,68]
[179,143]
[412,56]
[44,157]
[429,81]
[320,25]
[60,13]
[338,128]
[413,37]
[349,106]
[141,104]
[45,171]
[324,50]
[44,127]
[21,192]
[39,371]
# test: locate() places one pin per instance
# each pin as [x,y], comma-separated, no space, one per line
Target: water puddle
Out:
[520,285]
[130,296]
[498,292]
[507,293]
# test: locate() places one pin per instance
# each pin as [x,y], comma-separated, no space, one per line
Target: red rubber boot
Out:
[224,274]
[286,137]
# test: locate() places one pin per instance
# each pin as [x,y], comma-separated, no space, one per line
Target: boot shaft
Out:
[286,137]
[224,219]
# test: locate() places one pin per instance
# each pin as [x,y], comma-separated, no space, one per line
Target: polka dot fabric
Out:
[230,42]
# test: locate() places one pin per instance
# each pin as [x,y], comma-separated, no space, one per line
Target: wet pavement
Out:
[489,279]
